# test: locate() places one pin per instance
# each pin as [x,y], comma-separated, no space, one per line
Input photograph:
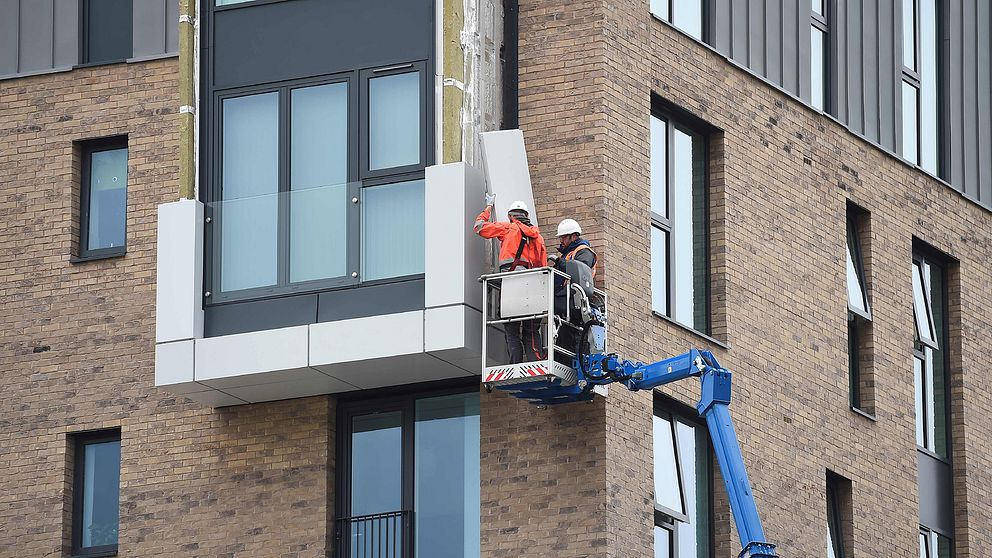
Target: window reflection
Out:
[376,463]
[107,199]
[394,121]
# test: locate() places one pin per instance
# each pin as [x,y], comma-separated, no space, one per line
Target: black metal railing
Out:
[379,535]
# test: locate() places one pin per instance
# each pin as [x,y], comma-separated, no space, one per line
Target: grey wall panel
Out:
[869,65]
[148,36]
[955,156]
[887,74]
[739,30]
[66,47]
[803,49]
[172,26]
[838,34]
[789,37]
[773,41]
[35,45]
[855,87]
[969,99]
[720,26]
[756,36]
[984,107]
[8,36]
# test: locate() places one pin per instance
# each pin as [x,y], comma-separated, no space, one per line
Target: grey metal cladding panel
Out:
[739,31]
[258,315]
[773,41]
[148,36]
[935,489]
[969,100]
[35,48]
[984,140]
[720,21]
[66,48]
[789,37]
[172,26]
[286,40]
[8,36]
[804,50]
[887,74]
[372,300]
[756,36]
[838,89]
[955,156]
[855,100]
[869,61]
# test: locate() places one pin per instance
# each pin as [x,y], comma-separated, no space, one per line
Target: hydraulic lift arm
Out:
[603,369]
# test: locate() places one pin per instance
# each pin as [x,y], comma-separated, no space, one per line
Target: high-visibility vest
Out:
[571,256]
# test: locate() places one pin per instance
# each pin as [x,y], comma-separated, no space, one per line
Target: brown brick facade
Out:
[570,481]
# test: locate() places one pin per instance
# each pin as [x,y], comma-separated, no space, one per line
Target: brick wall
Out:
[77,350]
[780,181]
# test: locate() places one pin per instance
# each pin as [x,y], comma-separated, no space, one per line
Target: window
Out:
[920,75]
[682,487]
[819,54]
[933,411]
[314,190]
[858,313]
[679,254]
[687,15]
[106,30]
[96,492]
[415,454]
[103,198]
[933,545]
[839,515]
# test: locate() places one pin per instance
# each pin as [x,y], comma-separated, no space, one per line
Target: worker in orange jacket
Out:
[521,246]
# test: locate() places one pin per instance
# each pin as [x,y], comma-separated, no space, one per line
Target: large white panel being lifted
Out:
[507,174]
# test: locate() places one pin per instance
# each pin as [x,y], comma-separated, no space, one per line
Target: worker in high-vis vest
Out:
[571,246]
[521,247]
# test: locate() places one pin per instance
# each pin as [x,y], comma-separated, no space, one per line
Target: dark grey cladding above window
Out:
[263,43]
[38,36]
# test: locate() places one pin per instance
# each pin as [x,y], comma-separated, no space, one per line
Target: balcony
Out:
[371,343]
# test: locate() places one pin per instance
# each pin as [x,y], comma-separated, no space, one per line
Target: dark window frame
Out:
[87,149]
[80,441]
[84,33]
[402,399]
[359,177]
[938,264]
[834,521]
[913,78]
[928,532]
[858,322]
[690,126]
[675,411]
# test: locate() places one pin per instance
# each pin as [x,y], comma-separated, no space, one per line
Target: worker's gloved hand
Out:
[553,260]
[490,199]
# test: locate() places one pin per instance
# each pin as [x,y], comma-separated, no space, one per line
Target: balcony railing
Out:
[380,535]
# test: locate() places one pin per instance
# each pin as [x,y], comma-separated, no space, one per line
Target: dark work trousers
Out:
[524,339]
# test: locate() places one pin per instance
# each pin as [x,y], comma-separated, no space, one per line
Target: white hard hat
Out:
[568,226]
[518,206]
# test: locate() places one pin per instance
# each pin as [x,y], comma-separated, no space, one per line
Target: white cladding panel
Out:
[174,367]
[454,254]
[367,338]
[507,172]
[251,353]
[179,271]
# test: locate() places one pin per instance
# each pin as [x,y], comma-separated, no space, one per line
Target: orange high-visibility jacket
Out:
[510,234]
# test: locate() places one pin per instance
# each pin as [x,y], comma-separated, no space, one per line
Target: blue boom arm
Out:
[601,369]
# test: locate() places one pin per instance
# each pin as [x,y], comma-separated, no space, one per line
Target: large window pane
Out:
[446,487]
[687,15]
[922,312]
[909,34]
[929,134]
[935,363]
[817,7]
[318,180]
[693,537]
[667,485]
[659,166]
[660,9]
[910,123]
[659,271]
[100,494]
[107,30]
[107,199]
[662,543]
[393,230]
[376,463]
[817,67]
[250,182]
[918,383]
[394,121]
[856,299]
[924,546]
[688,232]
